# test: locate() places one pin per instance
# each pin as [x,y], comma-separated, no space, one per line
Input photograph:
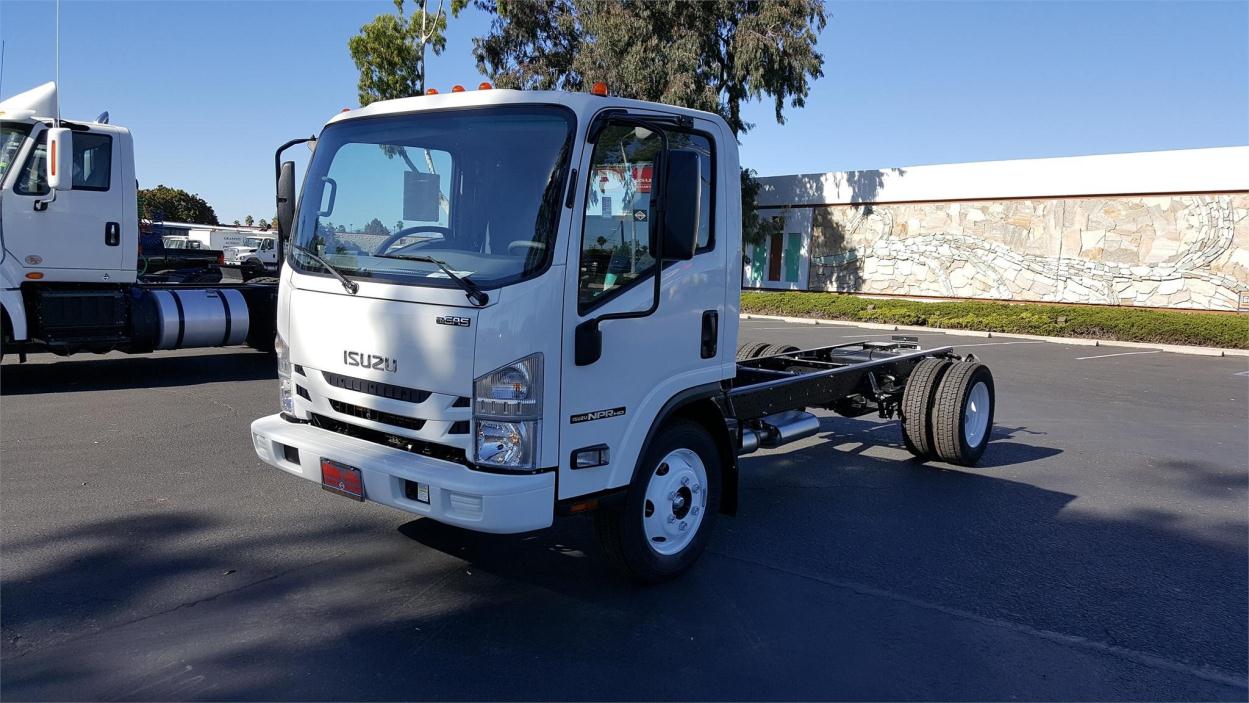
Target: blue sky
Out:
[211,88]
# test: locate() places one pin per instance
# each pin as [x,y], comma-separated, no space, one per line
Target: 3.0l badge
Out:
[455,320]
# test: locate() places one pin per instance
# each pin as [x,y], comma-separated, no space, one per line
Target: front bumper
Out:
[458,495]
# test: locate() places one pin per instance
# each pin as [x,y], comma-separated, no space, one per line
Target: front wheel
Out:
[670,508]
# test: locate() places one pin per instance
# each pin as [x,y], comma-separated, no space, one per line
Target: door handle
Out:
[112,234]
[711,333]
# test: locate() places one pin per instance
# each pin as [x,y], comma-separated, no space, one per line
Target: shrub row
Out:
[1112,323]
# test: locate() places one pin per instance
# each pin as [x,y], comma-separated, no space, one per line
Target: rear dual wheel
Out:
[947,410]
[756,350]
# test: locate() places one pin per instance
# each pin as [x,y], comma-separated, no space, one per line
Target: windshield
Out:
[253,242]
[478,189]
[12,134]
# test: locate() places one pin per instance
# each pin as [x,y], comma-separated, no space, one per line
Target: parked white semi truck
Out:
[72,274]
[505,352]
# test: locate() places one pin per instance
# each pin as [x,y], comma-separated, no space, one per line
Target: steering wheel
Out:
[444,231]
[524,246]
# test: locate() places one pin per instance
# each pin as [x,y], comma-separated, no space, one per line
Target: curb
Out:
[1075,341]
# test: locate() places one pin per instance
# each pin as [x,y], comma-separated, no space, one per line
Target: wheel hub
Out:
[676,500]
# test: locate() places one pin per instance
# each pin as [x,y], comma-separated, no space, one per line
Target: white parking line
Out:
[1103,356]
[994,344]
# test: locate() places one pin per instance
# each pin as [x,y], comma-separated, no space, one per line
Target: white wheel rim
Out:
[676,501]
[976,414]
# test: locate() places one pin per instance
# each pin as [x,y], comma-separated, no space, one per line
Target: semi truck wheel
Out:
[670,508]
[962,417]
[917,406]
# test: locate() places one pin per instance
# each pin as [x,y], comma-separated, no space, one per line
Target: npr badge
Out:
[597,415]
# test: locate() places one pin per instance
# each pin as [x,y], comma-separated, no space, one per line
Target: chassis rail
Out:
[852,379]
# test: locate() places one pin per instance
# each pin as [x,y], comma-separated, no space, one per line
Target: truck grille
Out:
[382,390]
[372,415]
[407,444]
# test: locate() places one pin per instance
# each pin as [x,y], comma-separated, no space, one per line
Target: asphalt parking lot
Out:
[1099,552]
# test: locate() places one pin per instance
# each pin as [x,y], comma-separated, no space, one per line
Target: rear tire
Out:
[750,350]
[670,508]
[917,404]
[962,416]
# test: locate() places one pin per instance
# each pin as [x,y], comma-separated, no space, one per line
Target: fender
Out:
[698,404]
[15,311]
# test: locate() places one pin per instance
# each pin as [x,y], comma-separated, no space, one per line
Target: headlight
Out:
[507,409]
[285,391]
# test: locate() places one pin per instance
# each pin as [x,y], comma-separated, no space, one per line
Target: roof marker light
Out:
[431,91]
[599,89]
[345,109]
[484,85]
[457,89]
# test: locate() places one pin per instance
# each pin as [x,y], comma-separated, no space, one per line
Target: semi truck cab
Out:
[498,306]
[72,274]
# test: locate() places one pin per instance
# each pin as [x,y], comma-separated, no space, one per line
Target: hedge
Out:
[1230,331]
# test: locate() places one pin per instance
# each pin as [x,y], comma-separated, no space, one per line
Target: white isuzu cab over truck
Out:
[70,246]
[504,351]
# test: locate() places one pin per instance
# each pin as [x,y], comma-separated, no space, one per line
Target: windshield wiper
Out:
[350,285]
[476,295]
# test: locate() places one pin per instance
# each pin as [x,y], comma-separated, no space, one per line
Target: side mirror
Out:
[60,159]
[682,186]
[286,199]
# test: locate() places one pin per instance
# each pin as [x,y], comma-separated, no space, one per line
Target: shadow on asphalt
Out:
[100,374]
[540,616]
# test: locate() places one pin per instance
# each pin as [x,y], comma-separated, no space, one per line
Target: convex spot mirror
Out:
[682,200]
[60,161]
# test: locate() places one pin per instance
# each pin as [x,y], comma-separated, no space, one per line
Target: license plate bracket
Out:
[342,479]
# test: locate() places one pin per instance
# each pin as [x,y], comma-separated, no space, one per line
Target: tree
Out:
[712,55]
[165,204]
[375,226]
[264,225]
[390,51]
[236,223]
[249,220]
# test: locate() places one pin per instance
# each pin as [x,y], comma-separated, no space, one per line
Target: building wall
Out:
[1158,251]
[1189,249]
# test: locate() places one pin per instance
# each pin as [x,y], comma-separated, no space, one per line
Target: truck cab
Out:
[499,306]
[75,274]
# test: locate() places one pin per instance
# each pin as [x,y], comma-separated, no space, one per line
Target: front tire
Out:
[670,508]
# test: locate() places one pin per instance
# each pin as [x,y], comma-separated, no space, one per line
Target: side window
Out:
[33,178]
[615,235]
[93,161]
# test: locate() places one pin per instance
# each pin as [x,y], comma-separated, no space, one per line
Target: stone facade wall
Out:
[1188,251]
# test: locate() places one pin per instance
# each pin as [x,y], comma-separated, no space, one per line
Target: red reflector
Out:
[341,479]
[431,91]
[457,89]
[484,86]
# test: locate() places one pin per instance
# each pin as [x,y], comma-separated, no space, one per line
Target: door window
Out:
[93,163]
[615,234]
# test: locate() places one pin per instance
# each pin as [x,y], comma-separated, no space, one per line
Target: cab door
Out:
[610,403]
[81,228]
